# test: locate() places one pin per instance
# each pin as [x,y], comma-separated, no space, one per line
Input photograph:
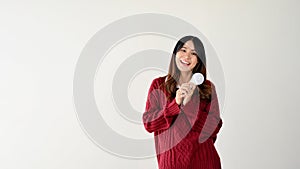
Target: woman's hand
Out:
[179,96]
[185,93]
[189,89]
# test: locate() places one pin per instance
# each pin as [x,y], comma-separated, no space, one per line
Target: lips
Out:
[185,62]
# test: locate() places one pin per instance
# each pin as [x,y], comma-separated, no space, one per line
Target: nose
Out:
[187,55]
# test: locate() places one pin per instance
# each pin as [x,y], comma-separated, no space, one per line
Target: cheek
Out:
[195,61]
[178,55]
[177,58]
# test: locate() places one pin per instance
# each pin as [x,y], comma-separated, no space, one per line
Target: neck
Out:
[185,77]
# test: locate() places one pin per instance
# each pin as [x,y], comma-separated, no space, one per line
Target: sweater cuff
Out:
[172,109]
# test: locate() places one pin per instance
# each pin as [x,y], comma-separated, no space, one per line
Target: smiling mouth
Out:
[184,63]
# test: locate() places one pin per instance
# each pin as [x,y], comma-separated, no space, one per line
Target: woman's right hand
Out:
[180,93]
[184,93]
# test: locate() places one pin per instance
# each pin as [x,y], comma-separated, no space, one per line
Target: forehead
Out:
[189,44]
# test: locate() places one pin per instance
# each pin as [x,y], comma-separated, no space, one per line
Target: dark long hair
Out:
[174,73]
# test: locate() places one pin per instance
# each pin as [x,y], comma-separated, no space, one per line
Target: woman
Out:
[184,116]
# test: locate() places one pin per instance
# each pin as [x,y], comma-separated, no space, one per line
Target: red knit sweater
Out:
[184,135]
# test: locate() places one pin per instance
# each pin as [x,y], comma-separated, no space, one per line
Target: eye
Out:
[194,54]
[183,50]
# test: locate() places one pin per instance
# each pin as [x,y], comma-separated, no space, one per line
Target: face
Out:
[186,57]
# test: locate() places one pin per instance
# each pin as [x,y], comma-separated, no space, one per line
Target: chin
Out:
[186,70]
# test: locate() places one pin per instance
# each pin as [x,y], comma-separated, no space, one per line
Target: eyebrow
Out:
[186,48]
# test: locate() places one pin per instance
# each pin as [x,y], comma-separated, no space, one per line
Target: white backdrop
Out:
[257,44]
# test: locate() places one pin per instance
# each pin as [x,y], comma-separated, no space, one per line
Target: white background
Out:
[257,43]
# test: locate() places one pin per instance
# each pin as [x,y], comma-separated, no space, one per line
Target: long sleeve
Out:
[159,113]
[208,121]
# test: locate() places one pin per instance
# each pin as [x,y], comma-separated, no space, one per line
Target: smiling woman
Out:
[186,57]
[184,116]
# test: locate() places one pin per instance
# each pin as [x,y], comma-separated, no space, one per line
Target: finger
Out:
[186,89]
[190,89]
[189,85]
[181,93]
[185,85]
[192,86]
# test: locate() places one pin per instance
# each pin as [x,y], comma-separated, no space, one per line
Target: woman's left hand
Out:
[188,89]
